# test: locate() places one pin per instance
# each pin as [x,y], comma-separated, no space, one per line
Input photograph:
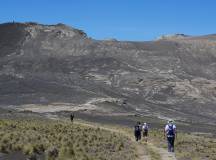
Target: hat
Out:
[170,121]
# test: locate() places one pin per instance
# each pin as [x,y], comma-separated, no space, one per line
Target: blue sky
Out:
[138,20]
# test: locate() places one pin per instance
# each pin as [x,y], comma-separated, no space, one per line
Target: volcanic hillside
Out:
[59,66]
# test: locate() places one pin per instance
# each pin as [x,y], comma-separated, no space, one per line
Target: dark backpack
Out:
[170,131]
[137,128]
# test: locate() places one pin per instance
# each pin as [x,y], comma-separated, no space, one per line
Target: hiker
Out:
[72,117]
[170,133]
[137,131]
[145,131]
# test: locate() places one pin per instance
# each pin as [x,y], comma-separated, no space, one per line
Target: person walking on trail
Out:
[145,131]
[137,131]
[170,133]
[72,117]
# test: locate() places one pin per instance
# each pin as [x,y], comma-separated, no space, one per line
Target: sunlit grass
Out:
[63,140]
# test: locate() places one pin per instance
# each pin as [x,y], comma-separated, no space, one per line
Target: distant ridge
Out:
[173,36]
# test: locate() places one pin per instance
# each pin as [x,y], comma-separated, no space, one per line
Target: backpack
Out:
[170,131]
[145,128]
[137,128]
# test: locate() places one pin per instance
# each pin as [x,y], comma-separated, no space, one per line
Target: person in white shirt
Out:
[145,131]
[170,133]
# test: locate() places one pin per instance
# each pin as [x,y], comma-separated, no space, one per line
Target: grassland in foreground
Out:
[63,140]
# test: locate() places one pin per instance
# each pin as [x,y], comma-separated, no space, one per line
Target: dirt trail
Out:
[143,155]
[163,153]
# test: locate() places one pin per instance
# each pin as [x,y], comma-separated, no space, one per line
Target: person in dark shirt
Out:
[72,117]
[137,131]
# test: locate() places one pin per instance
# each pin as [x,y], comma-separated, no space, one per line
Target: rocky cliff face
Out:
[56,65]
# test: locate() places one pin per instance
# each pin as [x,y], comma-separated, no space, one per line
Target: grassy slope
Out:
[82,141]
[62,140]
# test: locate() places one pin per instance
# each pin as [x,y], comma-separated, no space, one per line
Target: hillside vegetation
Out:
[63,140]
